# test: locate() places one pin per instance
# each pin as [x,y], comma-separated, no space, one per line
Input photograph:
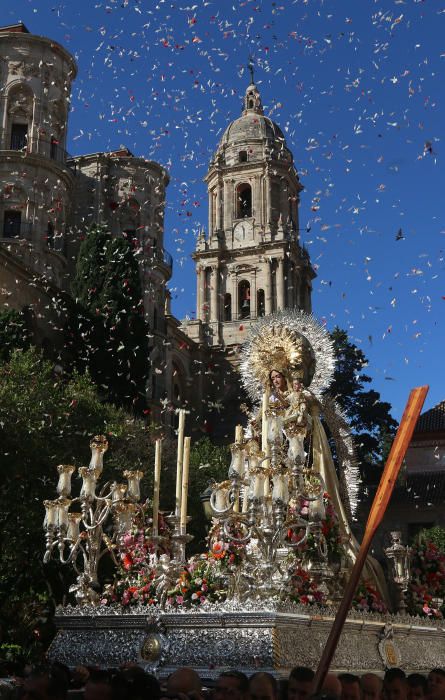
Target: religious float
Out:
[281,550]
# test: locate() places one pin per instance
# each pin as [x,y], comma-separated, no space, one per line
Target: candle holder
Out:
[399,558]
[270,526]
[78,537]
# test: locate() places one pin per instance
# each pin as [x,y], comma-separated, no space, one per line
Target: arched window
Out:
[227,307]
[260,303]
[243,156]
[244,204]
[12,223]
[20,102]
[244,299]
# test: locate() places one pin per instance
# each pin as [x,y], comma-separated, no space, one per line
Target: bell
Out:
[246,304]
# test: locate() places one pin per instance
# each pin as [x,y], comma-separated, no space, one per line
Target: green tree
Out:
[14,333]
[369,417]
[46,421]
[107,331]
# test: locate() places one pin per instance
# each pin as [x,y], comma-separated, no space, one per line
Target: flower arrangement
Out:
[330,530]
[303,589]
[425,594]
[368,599]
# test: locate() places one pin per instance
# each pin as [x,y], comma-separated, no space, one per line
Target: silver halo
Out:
[306,325]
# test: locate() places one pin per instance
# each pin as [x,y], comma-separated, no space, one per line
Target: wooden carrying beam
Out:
[381,500]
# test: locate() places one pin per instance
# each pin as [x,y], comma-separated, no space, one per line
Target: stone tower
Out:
[251,262]
[35,181]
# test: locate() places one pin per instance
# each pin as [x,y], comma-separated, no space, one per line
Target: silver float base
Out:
[267,636]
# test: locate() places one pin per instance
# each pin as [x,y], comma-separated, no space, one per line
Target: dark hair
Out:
[439,671]
[348,678]
[267,676]
[394,674]
[57,679]
[243,681]
[302,673]
[418,679]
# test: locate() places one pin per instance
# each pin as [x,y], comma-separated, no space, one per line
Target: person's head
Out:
[331,685]
[139,684]
[277,380]
[395,686]
[263,686]
[371,686]
[45,683]
[98,686]
[301,682]
[350,686]
[231,685]
[436,684]
[417,686]
[184,681]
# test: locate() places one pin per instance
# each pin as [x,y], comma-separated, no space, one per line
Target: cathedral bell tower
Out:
[251,262]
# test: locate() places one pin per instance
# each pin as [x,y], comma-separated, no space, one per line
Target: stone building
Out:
[35,180]
[249,263]
[418,497]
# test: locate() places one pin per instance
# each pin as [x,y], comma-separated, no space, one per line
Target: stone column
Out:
[214,294]
[226,209]
[218,207]
[269,199]
[199,292]
[268,289]
[253,299]
[210,231]
[280,284]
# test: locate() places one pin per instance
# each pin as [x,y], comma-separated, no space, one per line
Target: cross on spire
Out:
[250,67]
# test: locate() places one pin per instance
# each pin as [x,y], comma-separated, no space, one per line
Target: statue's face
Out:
[278,381]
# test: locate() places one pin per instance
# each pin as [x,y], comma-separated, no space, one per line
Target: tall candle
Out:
[179,460]
[264,443]
[238,433]
[157,481]
[185,484]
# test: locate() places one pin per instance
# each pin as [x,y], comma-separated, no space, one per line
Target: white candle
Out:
[98,445]
[62,512]
[238,433]
[185,484]
[264,443]
[50,513]
[157,481]
[65,473]
[89,478]
[179,460]
[133,490]
[73,526]
[118,492]
[258,486]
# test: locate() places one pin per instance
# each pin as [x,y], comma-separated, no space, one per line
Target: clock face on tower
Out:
[242,234]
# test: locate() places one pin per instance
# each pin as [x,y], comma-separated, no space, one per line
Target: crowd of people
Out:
[58,682]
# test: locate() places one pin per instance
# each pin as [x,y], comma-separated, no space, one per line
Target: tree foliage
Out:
[14,333]
[46,421]
[369,417]
[106,330]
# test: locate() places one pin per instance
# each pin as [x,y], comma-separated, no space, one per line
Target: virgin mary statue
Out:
[287,366]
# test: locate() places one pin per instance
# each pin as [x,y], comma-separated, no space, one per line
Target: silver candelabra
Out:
[79,537]
[259,505]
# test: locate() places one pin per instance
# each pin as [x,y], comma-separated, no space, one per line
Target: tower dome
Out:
[252,134]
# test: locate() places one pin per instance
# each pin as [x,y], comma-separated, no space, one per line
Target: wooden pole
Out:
[381,500]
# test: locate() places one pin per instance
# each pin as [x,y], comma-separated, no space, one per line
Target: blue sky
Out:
[356,86]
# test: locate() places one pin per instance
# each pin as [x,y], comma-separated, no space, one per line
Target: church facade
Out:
[249,263]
